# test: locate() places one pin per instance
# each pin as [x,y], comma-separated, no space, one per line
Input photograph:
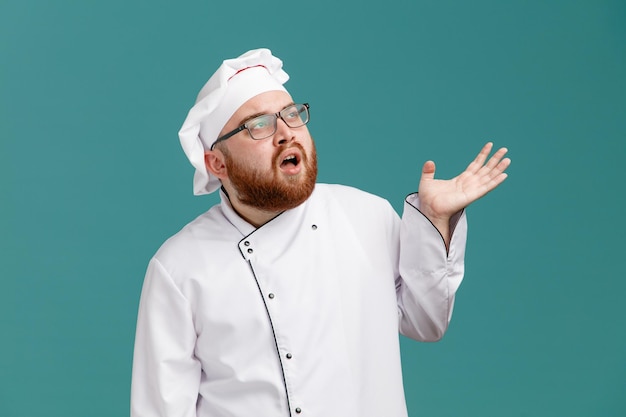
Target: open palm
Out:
[440,199]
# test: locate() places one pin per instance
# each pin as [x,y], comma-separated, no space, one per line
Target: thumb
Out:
[428,170]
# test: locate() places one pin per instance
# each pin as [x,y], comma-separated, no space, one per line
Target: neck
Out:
[255,217]
[252,215]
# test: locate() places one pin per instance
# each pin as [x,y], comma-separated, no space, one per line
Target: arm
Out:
[166,374]
[432,243]
[429,273]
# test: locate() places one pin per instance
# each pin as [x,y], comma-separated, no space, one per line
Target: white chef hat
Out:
[235,82]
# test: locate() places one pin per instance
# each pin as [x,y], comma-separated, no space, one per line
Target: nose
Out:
[283,134]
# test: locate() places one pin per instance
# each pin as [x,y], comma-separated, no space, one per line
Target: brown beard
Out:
[271,191]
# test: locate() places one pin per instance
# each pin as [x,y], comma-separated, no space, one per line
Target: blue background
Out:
[93,180]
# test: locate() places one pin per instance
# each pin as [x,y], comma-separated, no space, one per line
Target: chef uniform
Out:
[298,317]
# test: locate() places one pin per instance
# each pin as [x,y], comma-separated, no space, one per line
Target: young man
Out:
[286,299]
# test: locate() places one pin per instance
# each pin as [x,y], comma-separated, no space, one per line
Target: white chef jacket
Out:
[298,317]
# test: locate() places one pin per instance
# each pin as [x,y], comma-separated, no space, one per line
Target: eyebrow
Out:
[252,116]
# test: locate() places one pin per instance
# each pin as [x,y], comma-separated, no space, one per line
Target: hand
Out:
[440,199]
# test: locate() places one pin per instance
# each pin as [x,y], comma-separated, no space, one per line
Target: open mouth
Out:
[290,160]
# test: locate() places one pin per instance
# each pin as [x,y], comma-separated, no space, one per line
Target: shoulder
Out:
[367,217]
[348,193]
[351,197]
[206,234]
[358,207]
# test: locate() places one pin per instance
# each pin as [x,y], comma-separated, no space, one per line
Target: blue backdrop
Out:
[92,94]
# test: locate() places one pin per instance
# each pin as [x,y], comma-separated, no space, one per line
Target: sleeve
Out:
[429,277]
[166,374]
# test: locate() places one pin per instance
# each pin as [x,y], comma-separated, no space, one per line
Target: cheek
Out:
[306,140]
[309,145]
[255,157]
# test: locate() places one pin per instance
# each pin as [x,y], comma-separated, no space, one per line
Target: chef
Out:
[286,299]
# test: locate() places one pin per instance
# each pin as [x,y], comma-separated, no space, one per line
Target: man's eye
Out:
[258,124]
[292,114]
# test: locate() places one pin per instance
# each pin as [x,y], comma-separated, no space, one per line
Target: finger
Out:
[480,159]
[497,180]
[497,175]
[428,170]
[495,159]
[491,165]
[504,164]
[498,169]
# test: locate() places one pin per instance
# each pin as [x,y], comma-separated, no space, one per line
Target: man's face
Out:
[273,174]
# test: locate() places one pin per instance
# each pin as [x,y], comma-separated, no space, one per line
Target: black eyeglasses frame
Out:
[276,117]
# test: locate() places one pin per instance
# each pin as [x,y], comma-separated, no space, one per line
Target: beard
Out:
[272,191]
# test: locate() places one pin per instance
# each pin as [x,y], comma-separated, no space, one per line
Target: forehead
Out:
[268,102]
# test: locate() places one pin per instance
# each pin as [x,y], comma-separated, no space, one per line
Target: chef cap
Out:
[235,82]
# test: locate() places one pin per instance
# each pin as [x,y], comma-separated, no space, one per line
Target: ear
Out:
[215,163]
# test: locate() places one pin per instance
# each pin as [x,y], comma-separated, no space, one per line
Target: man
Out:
[286,299]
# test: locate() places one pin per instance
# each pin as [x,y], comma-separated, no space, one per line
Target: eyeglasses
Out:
[264,126]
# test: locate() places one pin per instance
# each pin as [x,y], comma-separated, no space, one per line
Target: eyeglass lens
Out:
[264,126]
